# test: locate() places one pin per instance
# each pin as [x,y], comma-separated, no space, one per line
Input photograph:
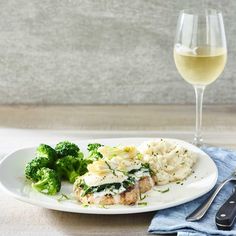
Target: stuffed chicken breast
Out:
[117,178]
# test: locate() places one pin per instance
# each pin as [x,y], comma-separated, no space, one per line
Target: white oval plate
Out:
[200,182]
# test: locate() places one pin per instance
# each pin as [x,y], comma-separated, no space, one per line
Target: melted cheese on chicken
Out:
[123,158]
[96,180]
[114,166]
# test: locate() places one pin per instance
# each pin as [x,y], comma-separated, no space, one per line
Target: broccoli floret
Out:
[93,151]
[48,181]
[45,150]
[93,146]
[66,148]
[70,167]
[33,166]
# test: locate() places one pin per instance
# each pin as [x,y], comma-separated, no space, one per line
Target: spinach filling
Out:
[145,169]
[107,187]
[113,187]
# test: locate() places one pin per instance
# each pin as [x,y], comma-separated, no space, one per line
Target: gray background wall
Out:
[100,51]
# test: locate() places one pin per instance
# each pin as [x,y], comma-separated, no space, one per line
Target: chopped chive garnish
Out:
[63,197]
[142,197]
[113,171]
[163,190]
[142,203]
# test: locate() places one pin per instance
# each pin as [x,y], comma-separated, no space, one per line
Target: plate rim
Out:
[98,210]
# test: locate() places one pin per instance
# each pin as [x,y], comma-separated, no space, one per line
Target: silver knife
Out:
[202,209]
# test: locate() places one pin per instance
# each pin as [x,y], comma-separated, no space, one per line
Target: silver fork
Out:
[198,213]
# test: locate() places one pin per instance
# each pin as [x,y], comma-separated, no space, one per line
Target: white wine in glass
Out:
[200,53]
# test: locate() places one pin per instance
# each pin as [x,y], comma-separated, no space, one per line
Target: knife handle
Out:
[226,214]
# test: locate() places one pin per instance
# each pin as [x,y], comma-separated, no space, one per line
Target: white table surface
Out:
[19,129]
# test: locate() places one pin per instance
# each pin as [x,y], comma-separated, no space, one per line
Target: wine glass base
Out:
[198,141]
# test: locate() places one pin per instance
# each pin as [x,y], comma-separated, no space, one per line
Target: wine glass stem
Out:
[199,91]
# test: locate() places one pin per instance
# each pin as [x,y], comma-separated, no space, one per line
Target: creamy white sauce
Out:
[115,194]
[140,173]
[96,180]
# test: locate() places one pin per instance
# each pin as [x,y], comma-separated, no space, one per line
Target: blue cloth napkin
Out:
[172,220]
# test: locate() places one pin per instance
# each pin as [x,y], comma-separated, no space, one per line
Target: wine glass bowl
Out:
[201,66]
[200,53]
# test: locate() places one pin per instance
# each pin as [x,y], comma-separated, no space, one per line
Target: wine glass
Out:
[200,53]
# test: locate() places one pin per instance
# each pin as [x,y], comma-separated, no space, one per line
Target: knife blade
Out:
[226,215]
